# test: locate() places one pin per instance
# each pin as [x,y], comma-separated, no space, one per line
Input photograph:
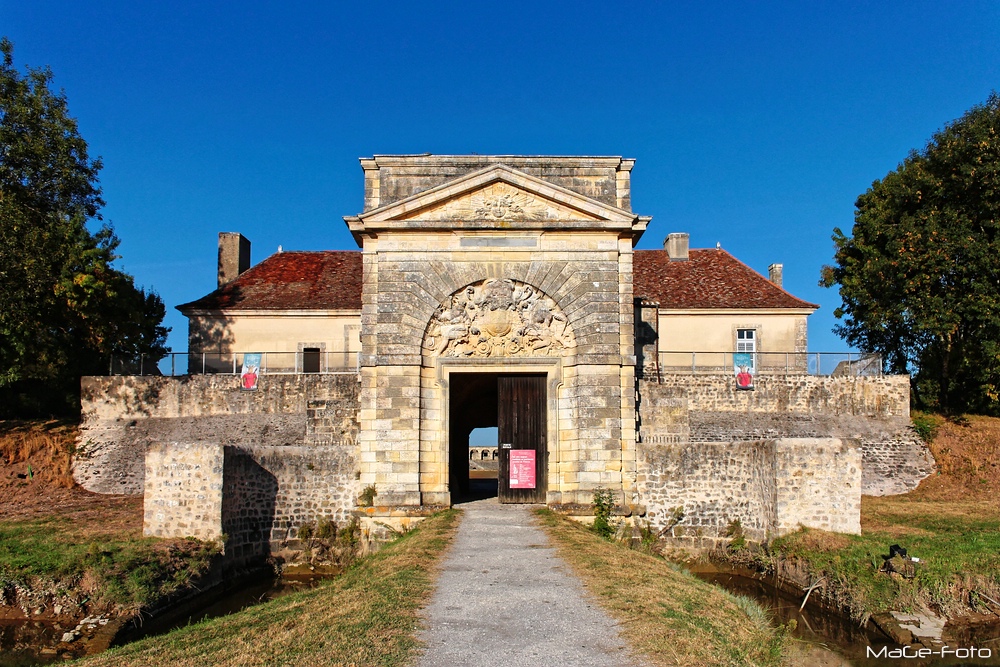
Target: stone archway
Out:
[486,329]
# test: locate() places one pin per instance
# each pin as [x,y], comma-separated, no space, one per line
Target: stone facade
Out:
[474,269]
[480,265]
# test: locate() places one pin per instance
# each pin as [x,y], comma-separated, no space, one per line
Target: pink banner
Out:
[522,468]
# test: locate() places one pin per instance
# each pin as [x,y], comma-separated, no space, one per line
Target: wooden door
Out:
[521,417]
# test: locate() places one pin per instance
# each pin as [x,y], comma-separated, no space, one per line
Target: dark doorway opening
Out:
[310,360]
[515,405]
[473,404]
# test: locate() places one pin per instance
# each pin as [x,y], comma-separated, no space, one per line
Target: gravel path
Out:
[505,598]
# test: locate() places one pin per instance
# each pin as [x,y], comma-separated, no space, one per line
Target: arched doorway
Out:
[516,405]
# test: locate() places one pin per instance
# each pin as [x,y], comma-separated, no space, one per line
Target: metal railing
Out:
[295,363]
[231,363]
[771,363]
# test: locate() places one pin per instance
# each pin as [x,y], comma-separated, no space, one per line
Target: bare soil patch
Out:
[968,461]
[36,480]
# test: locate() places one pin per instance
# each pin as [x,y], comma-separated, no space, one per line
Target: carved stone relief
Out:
[500,202]
[498,318]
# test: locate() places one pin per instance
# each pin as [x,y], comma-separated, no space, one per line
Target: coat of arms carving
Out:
[499,318]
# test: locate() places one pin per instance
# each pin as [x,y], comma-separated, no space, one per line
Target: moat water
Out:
[835,636]
[30,643]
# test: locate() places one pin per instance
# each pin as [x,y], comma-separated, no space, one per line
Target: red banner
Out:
[522,468]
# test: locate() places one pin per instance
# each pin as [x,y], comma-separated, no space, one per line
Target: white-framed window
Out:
[745,358]
[746,340]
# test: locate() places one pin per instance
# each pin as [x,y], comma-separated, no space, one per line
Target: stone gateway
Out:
[497,291]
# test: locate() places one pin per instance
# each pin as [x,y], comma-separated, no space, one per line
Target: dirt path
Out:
[504,597]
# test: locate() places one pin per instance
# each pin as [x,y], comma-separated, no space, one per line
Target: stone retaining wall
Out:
[713,483]
[185,490]
[798,450]
[256,498]
[123,415]
[769,487]
[213,460]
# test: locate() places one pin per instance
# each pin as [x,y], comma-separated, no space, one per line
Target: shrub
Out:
[734,531]
[604,505]
[367,497]
[326,529]
[926,425]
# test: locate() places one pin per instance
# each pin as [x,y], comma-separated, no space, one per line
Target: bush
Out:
[604,505]
[738,539]
[926,425]
[326,529]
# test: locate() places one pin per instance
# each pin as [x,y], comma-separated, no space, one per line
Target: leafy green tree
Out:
[64,309]
[920,278]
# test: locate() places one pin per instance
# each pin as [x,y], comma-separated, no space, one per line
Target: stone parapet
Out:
[883,396]
[137,397]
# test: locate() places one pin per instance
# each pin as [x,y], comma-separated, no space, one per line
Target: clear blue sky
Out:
[755,125]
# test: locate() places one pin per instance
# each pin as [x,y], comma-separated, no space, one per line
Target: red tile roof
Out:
[331,280]
[328,280]
[710,278]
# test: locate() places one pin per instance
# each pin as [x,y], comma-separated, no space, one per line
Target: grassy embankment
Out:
[63,550]
[57,562]
[367,616]
[951,522]
[667,614]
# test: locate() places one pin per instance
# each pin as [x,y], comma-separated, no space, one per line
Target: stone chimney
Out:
[234,256]
[676,245]
[774,273]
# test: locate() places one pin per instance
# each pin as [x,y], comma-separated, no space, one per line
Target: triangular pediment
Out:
[497,194]
[499,201]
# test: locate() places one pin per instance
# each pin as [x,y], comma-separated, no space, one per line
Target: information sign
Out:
[522,468]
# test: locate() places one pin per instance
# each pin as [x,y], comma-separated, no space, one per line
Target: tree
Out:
[920,279]
[64,309]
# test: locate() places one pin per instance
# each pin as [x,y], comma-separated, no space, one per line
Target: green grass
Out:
[367,616]
[666,613]
[119,570]
[958,544]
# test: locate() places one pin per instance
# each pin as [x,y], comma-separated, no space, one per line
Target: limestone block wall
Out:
[885,396]
[872,410]
[123,415]
[799,450]
[817,485]
[270,492]
[184,490]
[714,483]
[248,504]
[770,487]
[895,463]
[255,497]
